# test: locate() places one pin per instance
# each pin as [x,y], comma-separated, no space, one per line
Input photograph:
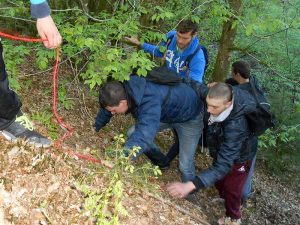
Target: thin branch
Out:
[13,3]
[51,68]
[180,209]
[18,18]
[273,70]
[4,8]
[266,36]
[199,6]
[66,10]
[89,16]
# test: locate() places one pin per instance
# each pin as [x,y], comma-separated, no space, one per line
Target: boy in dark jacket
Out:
[229,142]
[241,74]
[155,106]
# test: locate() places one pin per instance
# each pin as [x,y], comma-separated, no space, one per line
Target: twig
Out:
[47,217]
[89,16]
[273,70]
[18,18]
[65,10]
[13,3]
[199,6]
[51,68]
[183,211]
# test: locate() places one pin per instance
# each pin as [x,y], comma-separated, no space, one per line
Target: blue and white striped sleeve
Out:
[39,9]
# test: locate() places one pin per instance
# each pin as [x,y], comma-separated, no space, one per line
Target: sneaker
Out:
[229,221]
[23,128]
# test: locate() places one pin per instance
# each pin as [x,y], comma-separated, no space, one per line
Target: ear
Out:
[123,102]
[228,104]
[195,34]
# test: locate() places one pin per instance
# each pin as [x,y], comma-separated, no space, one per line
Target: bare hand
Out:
[48,31]
[133,40]
[180,190]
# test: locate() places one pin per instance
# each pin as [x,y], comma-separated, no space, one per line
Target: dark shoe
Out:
[23,128]
[164,167]
[192,198]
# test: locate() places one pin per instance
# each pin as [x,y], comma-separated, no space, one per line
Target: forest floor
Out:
[40,186]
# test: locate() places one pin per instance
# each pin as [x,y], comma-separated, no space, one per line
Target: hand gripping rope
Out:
[58,143]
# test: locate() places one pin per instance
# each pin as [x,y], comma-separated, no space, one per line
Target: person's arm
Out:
[148,121]
[235,135]
[103,117]
[196,67]
[229,150]
[199,88]
[45,25]
[154,49]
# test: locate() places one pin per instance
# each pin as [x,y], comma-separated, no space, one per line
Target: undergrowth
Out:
[106,204]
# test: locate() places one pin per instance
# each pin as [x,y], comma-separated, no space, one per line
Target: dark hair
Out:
[220,91]
[241,67]
[186,26]
[111,93]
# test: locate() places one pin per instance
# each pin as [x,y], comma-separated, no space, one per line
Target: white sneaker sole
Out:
[10,137]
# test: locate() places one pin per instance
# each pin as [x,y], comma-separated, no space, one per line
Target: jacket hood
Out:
[190,49]
[135,87]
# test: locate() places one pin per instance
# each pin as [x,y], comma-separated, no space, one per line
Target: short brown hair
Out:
[186,26]
[111,94]
[241,67]
[220,91]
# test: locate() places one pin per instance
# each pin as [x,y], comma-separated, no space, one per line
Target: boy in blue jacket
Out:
[12,119]
[155,106]
[181,43]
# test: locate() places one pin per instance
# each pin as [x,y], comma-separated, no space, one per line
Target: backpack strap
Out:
[169,40]
[191,56]
[189,59]
[254,90]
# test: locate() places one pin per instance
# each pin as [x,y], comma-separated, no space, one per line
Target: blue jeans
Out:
[188,133]
[248,184]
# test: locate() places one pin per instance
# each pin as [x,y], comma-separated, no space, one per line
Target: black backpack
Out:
[190,57]
[262,119]
[161,75]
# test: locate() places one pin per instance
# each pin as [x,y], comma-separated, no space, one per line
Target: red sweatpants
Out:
[231,188]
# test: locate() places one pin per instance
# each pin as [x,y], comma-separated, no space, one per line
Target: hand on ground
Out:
[180,190]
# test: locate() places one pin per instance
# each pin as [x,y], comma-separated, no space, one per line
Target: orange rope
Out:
[58,143]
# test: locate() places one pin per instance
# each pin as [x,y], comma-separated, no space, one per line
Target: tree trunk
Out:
[228,34]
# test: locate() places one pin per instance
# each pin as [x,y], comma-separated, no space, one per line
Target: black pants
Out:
[9,101]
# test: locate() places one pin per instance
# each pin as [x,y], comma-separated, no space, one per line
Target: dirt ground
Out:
[39,186]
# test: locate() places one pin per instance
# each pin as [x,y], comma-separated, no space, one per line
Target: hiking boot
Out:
[229,221]
[23,128]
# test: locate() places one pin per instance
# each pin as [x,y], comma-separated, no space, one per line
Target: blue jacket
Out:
[155,103]
[230,141]
[175,60]
[39,8]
